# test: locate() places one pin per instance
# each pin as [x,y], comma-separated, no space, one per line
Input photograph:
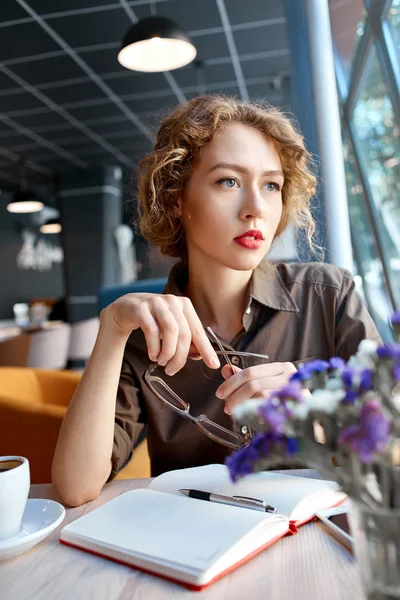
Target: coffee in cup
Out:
[14,491]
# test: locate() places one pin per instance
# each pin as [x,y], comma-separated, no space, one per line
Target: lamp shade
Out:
[51,226]
[156,44]
[24,202]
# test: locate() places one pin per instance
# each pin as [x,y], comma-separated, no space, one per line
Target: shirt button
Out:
[235,360]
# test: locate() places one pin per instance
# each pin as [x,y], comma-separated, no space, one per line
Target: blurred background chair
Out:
[32,406]
[45,349]
[33,403]
[107,295]
[83,337]
[49,347]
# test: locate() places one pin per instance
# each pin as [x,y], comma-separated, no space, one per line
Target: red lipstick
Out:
[252,239]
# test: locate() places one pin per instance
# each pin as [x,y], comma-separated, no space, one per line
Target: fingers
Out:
[193,352]
[246,376]
[168,329]
[174,321]
[182,347]
[227,371]
[254,382]
[199,336]
[257,389]
[151,331]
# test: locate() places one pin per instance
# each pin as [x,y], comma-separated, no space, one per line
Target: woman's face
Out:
[233,203]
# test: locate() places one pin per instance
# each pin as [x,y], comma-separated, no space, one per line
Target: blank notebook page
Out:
[285,492]
[168,528]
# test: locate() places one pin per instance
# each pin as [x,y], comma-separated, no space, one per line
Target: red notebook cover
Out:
[190,586]
[293,529]
[144,527]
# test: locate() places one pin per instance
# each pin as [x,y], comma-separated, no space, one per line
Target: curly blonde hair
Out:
[165,172]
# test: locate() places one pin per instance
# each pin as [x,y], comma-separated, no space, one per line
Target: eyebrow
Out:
[223,165]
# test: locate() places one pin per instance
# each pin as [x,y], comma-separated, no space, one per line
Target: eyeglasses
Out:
[167,396]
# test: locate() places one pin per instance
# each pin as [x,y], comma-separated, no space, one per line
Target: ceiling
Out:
[65,102]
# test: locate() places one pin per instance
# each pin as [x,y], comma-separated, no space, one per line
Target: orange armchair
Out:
[33,403]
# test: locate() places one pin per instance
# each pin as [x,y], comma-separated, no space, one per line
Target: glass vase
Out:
[376,535]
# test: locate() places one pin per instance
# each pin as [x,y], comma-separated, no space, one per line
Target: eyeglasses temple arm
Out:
[220,346]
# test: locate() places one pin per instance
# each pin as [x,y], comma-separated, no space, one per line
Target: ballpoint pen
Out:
[243,501]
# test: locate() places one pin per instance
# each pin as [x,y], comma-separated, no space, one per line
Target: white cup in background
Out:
[21,314]
[14,491]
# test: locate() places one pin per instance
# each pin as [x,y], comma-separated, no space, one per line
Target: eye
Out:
[272,187]
[228,182]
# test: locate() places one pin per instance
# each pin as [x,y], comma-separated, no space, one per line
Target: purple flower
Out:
[274,410]
[350,397]
[396,318]
[318,366]
[337,363]
[356,382]
[366,381]
[370,434]
[396,372]
[242,462]
[347,376]
[301,375]
[292,446]
[239,464]
[292,391]
[390,351]
[275,416]
[306,372]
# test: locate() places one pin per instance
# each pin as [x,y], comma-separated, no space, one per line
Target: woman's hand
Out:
[170,324]
[253,382]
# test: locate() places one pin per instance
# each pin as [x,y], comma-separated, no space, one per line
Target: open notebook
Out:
[195,542]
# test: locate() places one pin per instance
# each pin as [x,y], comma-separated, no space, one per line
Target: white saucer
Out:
[40,518]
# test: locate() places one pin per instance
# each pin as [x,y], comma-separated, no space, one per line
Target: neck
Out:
[218,295]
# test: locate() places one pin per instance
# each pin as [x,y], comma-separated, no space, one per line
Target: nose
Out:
[253,205]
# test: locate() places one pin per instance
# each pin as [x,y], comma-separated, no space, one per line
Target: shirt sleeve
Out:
[129,418]
[353,321]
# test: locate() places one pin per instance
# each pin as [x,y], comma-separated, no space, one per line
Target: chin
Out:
[244,263]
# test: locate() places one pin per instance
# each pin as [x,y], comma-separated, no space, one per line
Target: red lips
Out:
[252,233]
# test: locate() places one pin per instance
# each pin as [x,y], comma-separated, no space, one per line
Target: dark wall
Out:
[22,285]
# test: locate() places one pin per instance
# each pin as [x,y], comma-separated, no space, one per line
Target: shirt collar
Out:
[269,289]
[267,286]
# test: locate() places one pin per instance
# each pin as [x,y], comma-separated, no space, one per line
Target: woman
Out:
[223,182]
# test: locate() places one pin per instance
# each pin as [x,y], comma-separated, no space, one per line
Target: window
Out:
[368,265]
[394,22]
[377,141]
[347,24]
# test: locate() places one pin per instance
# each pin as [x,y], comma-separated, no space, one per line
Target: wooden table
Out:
[310,565]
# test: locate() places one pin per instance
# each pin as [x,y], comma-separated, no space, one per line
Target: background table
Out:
[308,566]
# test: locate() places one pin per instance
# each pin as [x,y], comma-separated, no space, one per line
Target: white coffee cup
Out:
[14,491]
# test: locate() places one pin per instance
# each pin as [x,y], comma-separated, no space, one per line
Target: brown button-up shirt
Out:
[294,313]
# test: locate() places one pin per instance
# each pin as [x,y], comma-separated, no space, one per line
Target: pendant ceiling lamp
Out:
[51,226]
[156,44]
[24,201]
